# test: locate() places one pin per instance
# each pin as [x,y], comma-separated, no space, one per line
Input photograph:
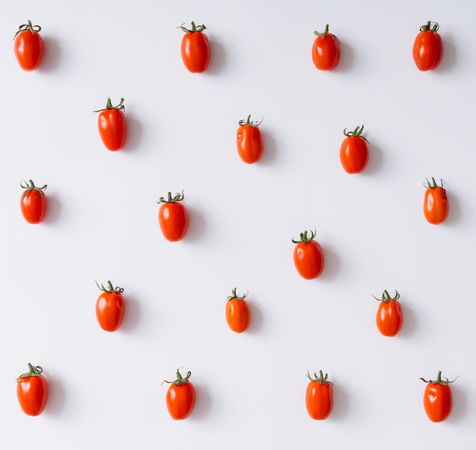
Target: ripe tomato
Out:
[110,307]
[389,314]
[308,256]
[195,48]
[248,141]
[112,125]
[237,312]
[435,204]
[33,202]
[173,217]
[180,397]
[354,153]
[438,400]
[32,391]
[319,399]
[326,50]
[28,46]
[428,47]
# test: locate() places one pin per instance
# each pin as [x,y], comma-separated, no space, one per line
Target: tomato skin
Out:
[389,317]
[326,51]
[33,204]
[180,400]
[427,50]
[319,400]
[29,49]
[309,259]
[195,51]
[437,401]
[354,154]
[112,125]
[173,219]
[238,315]
[436,205]
[32,394]
[249,143]
[110,309]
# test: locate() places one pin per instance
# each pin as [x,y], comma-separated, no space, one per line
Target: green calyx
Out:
[109,105]
[357,132]
[439,380]
[326,31]
[28,27]
[235,296]
[433,184]
[33,371]
[304,237]
[178,197]
[194,29]
[248,121]
[430,26]
[322,378]
[386,297]
[109,288]
[179,380]
[30,186]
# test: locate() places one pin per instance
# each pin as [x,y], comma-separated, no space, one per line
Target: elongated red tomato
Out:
[326,50]
[180,397]
[173,217]
[319,396]
[112,125]
[354,153]
[438,399]
[28,46]
[195,48]
[110,307]
[33,202]
[428,47]
[389,315]
[32,391]
[435,205]
[237,312]
[248,141]
[308,255]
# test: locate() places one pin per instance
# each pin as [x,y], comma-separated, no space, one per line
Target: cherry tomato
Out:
[110,307]
[438,400]
[428,47]
[195,48]
[112,125]
[237,312]
[308,256]
[173,217]
[319,398]
[180,397]
[33,202]
[28,46]
[326,50]
[354,153]
[32,391]
[248,141]
[389,314]
[435,205]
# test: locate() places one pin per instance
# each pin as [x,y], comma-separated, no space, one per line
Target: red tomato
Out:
[28,46]
[112,125]
[180,397]
[195,48]
[319,398]
[32,391]
[435,205]
[308,256]
[248,141]
[428,47]
[438,400]
[173,217]
[33,202]
[237,312]
[389,314]
[110,307]
[326,50]
[354,153]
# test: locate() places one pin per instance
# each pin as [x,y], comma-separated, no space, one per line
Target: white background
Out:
[102,223]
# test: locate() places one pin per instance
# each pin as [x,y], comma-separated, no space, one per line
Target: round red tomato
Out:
[326,50]
[237,312]
[319,398]
[33,202]
[110,307]
[308,255]
[112,125]
[32,391]
[428,47]
[28,46]
[173,217]
[248,141]
[389,315]
[180,397]
[195,48]
[437,399]
[354,153]
[435,204]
